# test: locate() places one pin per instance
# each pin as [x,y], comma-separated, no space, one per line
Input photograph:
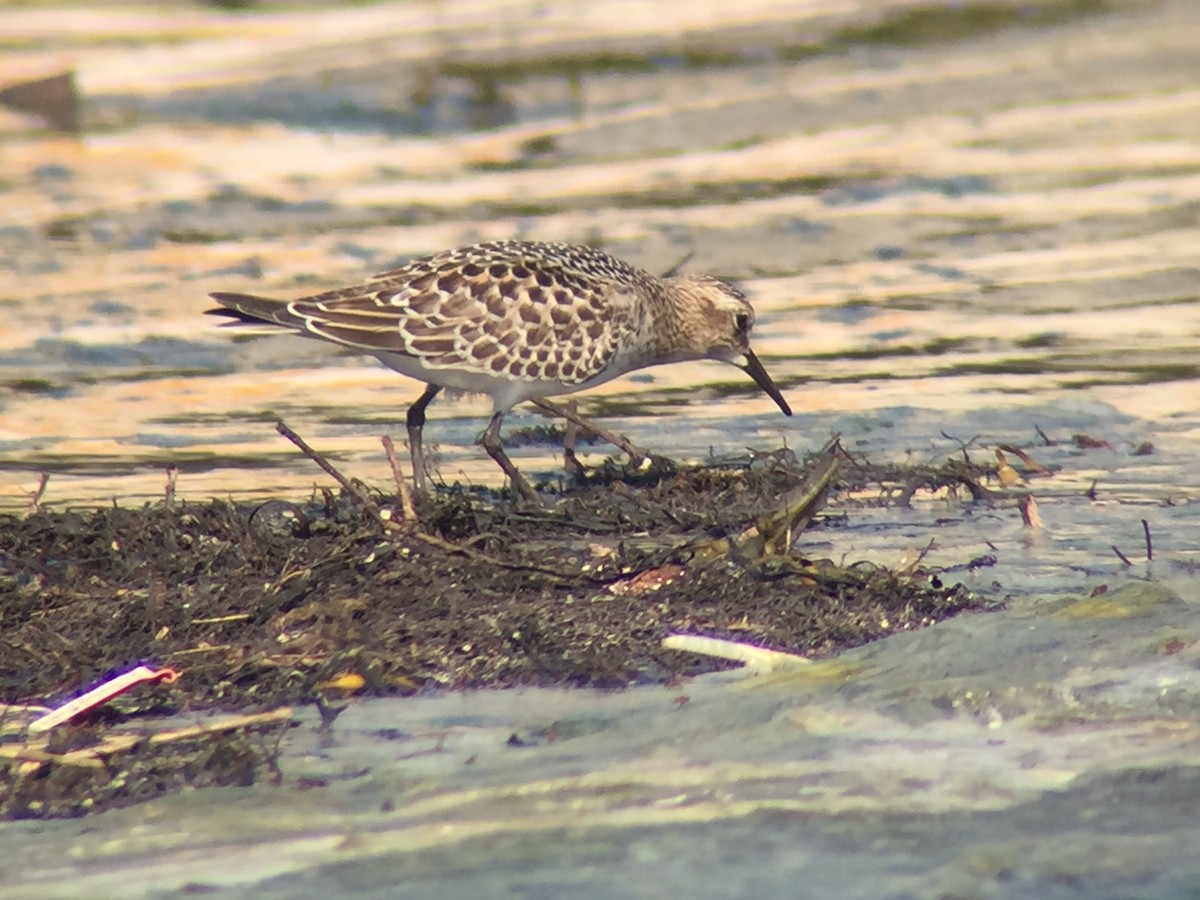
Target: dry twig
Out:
[406,502]
[348,486]
[172,476]
[35,499]
[634,452]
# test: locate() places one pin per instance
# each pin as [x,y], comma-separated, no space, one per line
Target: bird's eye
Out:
[741,323]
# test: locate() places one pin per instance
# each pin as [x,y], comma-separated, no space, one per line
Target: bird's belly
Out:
[505,390]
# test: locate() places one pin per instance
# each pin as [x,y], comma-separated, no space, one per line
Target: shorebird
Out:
[518,320]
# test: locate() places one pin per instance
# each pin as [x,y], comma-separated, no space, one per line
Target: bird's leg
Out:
[490,441]
[636,454]
[415,420]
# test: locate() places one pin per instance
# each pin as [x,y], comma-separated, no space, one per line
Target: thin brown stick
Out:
[626,446]
[368,504]
[430,539]
[1029,512]
[674,270]
[232,723]
[172,476]
[1149,544]
[218,620]
[215,648]
[570,440]
[1032,466]
[35,499]
[964,445]
[1120,555]
[406,502]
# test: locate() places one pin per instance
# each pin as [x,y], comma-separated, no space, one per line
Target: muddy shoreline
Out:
[266,605]
[260,602]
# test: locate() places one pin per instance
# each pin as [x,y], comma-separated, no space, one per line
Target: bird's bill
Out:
[755,370]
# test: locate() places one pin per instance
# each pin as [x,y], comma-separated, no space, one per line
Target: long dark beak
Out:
[755,370]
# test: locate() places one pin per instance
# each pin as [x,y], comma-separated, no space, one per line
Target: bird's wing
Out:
[498,309]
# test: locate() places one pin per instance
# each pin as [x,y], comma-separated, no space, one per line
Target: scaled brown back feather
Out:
[535,312]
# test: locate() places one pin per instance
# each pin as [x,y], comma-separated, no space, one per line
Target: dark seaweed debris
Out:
[263,606]
[256,607]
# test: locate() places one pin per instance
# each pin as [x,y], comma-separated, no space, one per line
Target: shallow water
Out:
[938,244]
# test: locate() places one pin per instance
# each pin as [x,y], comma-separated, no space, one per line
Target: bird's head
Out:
[715,323]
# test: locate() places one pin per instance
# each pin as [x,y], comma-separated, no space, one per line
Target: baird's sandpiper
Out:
[518,320]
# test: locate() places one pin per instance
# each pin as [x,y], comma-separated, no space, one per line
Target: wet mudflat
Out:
[266,601]
[267,605]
